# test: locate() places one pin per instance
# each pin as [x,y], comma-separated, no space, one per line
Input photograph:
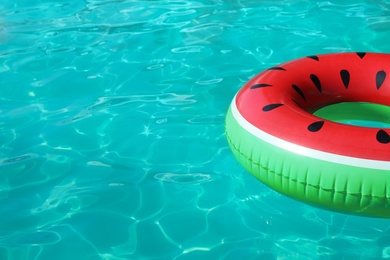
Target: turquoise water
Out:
[112,136]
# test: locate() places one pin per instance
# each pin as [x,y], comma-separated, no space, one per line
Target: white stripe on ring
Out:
[305,151]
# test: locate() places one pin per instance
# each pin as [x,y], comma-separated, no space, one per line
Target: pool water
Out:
[112,129]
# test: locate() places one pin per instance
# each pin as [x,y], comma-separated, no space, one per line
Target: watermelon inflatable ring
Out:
[317,129]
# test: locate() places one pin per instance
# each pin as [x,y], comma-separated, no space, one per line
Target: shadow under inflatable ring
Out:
[292,127]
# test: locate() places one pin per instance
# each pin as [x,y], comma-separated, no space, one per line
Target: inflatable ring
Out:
[317,129]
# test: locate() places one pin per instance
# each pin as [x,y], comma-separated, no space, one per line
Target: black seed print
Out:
[296,102]
[383,137]
[271,107]
[277,68]
[316,126]
[380,78]
[344,74]
[316,82]
[260,86]
[361,54]
[314,57]
[299,91]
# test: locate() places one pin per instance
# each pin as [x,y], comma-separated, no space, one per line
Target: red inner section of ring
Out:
[280,101]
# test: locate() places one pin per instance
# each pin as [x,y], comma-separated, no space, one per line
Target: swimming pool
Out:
[112,129]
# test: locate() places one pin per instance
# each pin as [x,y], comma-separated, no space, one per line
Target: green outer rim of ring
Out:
[329,185]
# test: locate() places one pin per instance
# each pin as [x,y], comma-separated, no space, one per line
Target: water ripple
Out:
[104,103]
[17,159]
[183,178]
[188,49]
[165,99]
[39,238]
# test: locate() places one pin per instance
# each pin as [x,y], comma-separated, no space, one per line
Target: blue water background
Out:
[112,129]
